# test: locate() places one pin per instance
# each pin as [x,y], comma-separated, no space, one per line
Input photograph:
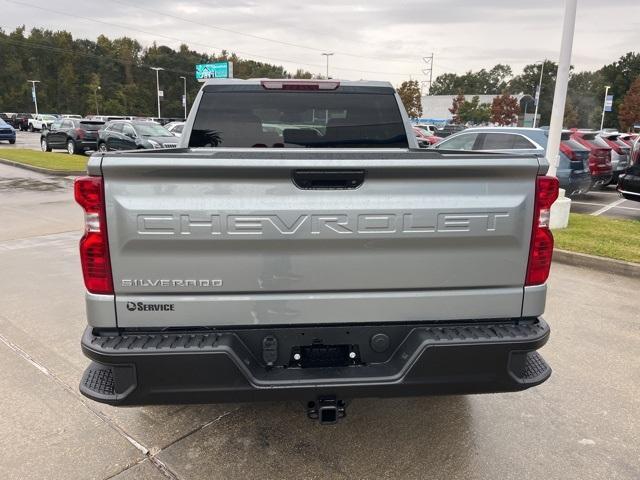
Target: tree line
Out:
[585,92]
[113,75]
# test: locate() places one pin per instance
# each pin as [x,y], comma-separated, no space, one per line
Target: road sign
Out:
[608,103]
[214,70]
[33,92]
[537,95]
[161,93]
[184,100]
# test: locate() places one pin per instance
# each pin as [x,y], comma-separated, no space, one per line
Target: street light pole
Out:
[33,92]
[538,93]
[562,81]
[327,55]
[95,94]
[604,106]
[184,97]
[157,69]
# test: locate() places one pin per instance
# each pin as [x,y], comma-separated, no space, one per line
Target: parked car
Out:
[7,132]
[619,153]
[629,181]
[175,128]
[449,129]
[106,118]
[69,115]
[628,138]
[131,135]
[599,156]
[427,127]
[40,121]
[75,136]
[21,121]
[425,139]
[573,168]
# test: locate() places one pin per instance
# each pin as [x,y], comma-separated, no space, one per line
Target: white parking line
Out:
[608,207]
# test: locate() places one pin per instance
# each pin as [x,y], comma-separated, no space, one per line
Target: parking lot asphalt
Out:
[606,202]
[584,423]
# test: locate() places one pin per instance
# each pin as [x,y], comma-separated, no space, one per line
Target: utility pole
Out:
[95,94]
[604,106]
[562,81]
[427,70]
[33,92]
[157,69]
[538,93]
[184,97]
[328,54]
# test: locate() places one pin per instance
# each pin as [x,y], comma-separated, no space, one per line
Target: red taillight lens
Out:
[541,248]
[94,248]
[566,149]
[614,145]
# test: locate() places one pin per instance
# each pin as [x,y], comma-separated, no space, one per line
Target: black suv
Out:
[629,181]
[132,134]
[74,135]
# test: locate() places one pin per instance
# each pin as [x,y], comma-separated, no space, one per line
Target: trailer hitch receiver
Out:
[327,410]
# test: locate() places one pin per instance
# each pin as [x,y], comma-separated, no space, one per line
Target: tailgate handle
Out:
[327,179]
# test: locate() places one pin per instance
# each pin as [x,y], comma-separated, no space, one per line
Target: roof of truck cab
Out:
[231,84]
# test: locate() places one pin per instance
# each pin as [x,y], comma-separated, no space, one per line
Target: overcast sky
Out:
[376,39]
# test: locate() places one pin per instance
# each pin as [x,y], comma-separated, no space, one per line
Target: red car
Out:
[599,157]
[424,139]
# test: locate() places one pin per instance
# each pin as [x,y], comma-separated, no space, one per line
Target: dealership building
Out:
[435,108]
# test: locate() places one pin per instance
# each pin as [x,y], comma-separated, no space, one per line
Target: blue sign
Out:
[608,103]
[214,70]
[33,92]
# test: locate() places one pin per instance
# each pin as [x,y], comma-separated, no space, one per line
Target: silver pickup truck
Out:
[298,245]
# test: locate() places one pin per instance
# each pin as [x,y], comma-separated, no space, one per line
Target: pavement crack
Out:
[147,453]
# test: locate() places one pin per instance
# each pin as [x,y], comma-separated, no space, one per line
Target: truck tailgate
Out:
[226,237]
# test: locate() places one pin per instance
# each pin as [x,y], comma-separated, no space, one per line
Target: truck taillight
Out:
[541,248]
[94,248]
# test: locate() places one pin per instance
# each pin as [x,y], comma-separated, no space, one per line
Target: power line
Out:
[127,28]
[251,35]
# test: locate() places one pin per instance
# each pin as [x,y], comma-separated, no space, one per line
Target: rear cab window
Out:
[254,116]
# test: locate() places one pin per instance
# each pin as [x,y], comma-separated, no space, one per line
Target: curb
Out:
[47,171]
[607,265]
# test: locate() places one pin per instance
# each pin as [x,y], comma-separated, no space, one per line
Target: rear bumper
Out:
[231,365]
[88,144]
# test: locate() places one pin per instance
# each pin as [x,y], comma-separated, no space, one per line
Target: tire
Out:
[12,142]
[102,147]
[31,129]
[71,147]
[44,145]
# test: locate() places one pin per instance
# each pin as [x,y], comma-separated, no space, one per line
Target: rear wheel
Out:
[12,142]
[44,145]
[71,147]
[31,129]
